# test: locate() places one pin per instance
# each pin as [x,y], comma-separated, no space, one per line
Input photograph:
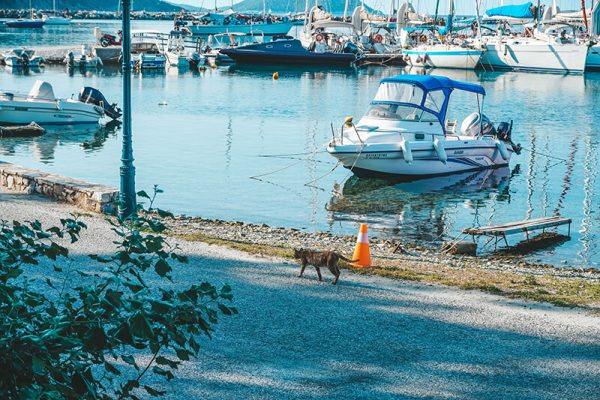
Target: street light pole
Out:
[127,201]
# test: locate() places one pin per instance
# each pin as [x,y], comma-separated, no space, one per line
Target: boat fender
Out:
[406,151]
[58,104]
[502,149]
[438,146]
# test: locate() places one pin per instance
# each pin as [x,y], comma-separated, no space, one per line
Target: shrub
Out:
[81,342]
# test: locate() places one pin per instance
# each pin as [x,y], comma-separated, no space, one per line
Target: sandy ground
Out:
[368,337]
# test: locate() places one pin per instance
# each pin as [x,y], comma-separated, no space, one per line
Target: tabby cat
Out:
[320,259]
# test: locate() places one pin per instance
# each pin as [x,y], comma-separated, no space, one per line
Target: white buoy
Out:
[163,103]
[502,148]
[406,151]
[438,146]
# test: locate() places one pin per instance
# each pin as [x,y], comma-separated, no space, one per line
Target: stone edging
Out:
[89,196]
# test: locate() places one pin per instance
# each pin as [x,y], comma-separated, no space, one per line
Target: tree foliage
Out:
[100,337]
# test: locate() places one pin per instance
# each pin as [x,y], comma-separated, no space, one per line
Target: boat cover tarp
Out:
[429,83]
[41,90]
[595,28]
[512,11]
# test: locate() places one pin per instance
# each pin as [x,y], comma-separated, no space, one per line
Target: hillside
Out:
[286,6]
[105,5]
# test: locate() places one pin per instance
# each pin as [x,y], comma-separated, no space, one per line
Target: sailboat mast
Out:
[264,7]
[585,21]
[345,9]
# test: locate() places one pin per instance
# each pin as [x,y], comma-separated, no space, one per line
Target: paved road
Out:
[369,337]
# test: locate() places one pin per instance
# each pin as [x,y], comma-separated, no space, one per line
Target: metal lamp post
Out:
[127,201]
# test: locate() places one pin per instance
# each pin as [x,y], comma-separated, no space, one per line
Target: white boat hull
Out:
[61,112]
[443,57]
[277,28]
[384,159]
[536,55]
[57,21]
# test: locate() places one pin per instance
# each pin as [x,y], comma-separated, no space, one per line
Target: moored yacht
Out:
[406,133]
[42,107]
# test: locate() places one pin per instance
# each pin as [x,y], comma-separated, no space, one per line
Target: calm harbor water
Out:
[232,143]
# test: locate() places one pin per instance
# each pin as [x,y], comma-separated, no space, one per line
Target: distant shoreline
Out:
[107,15]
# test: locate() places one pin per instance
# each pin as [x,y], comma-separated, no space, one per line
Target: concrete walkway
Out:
[369,337]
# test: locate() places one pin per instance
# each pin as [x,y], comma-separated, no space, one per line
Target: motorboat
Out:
[216,23]
[85,60]
[150,61]
[32,22]
[291,52]
[42,107]
[25,23]
[215,43]
[178,57]
[406,133]
[23,58]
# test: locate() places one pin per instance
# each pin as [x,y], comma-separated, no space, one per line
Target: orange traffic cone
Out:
[361,251]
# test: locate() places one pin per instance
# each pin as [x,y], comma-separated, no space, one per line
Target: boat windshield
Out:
[399,112]
[399,93]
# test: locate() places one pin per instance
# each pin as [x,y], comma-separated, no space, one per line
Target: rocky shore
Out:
[382,250]
[84,14]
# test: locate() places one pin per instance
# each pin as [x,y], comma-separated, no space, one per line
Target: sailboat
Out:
[54,18]
[32,22]
[545,49]
[446,53]
[229,21]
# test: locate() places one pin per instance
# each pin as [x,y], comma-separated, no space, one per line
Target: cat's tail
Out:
[349,260]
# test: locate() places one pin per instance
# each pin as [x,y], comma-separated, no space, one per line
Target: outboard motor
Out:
[70,60]
[477,124]
[350,47]
[25,59]
[94,96]
[195,61]
[504,133]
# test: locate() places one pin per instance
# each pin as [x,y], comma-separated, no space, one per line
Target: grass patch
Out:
[561,291]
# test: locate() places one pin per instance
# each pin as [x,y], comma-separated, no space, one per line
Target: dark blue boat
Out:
[289,52]
[25,23]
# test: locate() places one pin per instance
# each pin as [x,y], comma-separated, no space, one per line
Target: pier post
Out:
[127,200]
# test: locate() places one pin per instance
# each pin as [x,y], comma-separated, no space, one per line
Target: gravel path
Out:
[369,337]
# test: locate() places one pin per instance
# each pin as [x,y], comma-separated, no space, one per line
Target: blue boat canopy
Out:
[433,96]
[513,11]
[429,83]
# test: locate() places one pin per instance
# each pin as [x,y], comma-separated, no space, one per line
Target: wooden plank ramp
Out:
[519,226]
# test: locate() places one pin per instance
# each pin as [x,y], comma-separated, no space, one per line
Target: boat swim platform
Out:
[499,232]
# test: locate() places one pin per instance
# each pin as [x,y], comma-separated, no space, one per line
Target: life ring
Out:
[378,38]
[320,37]
[423,38]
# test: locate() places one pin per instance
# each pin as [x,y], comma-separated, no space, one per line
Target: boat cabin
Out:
[418,103]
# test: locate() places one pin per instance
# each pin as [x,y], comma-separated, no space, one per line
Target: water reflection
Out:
[89,137]
[23,71]
[424,208]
